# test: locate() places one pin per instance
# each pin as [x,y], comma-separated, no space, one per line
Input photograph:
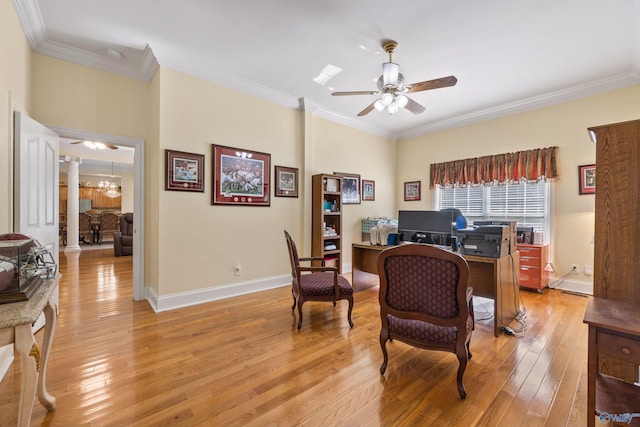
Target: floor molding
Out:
[185,299]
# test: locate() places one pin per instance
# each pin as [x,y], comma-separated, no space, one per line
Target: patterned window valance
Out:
[529,165]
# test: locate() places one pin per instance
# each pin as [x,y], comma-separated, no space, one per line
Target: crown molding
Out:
[33,26]
[593,88]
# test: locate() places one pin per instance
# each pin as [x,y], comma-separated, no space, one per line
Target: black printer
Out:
[491,241]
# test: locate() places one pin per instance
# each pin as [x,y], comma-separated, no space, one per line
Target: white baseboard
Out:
[184,299]
[576,286]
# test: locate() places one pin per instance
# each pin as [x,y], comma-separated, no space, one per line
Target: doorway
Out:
[138,193]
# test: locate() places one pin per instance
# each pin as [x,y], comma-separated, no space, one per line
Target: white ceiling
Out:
[96,165]
[508,56]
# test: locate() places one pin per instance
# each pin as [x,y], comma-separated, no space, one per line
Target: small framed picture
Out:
[368,190]
[587,179]
[286,181]
[240,177]
[411,191]
[184,171]
[350,188]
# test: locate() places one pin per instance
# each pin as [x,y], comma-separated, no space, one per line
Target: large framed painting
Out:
[587,174]
[350,188]
[240,177]
[184,171]
[286,181]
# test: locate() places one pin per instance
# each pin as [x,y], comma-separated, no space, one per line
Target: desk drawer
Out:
[529,262]
[618,347]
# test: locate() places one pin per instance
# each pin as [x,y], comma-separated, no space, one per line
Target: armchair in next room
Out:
[123,239]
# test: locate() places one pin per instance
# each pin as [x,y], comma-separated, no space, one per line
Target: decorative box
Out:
[16,281]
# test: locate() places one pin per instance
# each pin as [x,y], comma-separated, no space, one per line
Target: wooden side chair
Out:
[316,283]
[109,224]
[425,302]
[85,228]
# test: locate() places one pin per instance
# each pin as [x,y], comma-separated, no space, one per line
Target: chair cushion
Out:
[426,332]
[321,285]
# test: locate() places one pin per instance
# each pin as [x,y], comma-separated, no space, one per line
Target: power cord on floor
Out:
[560,279]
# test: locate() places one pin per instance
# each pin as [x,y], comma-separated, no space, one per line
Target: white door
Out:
[35,195]
[36,184]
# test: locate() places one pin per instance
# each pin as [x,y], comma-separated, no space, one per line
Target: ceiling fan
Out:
[393,90]
[96,145]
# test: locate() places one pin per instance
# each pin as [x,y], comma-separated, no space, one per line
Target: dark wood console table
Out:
[614,331]
[494,278]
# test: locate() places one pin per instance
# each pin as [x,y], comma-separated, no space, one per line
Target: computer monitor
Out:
[432,227]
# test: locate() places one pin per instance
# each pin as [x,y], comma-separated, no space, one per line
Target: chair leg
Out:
[299,313]
[350,310]
[473,314]
[462,358]
[294,300]
[384,336]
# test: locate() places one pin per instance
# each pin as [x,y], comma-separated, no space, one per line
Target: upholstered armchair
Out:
[425,302]
[316,283]
[123,239]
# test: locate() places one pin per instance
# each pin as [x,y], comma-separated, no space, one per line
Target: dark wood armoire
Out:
[613,313]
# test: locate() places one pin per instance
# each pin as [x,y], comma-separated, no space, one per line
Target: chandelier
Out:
[109,188]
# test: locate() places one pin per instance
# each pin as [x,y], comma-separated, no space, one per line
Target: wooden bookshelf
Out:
[326,219]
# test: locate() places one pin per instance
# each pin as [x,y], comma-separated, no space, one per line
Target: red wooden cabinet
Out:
[533,260]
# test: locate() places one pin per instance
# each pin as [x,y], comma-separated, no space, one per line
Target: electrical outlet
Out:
[574,268]
[588,270]
[238,270]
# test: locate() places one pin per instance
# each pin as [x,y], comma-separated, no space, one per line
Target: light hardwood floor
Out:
[241,362]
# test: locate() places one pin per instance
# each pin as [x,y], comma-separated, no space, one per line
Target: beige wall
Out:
[192,245]
[15,70]
[201,243]
[563,125]
[337,148]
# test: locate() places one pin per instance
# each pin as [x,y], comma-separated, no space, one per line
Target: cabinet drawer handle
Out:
[626,350]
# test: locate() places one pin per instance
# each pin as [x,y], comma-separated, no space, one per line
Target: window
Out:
[525,202]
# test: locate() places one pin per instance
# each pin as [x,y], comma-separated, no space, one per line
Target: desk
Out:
[15,328]
[614,331]
[493,278]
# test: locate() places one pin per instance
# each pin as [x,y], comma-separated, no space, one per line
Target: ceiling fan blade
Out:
[357,92]
[77,142]
[432,84]
[367,110]
[413,106]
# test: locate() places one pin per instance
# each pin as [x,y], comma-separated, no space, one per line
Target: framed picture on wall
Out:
[240,177]
[184,171]
[286,180]
[411,191]
[368,190]
[587,179]
[350,188]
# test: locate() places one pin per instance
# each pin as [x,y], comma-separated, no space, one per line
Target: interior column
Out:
[73,244]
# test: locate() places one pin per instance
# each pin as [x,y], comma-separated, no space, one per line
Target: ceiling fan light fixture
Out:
[402,100]
[387,98]
[378,105]
[390,73]
[393,107]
